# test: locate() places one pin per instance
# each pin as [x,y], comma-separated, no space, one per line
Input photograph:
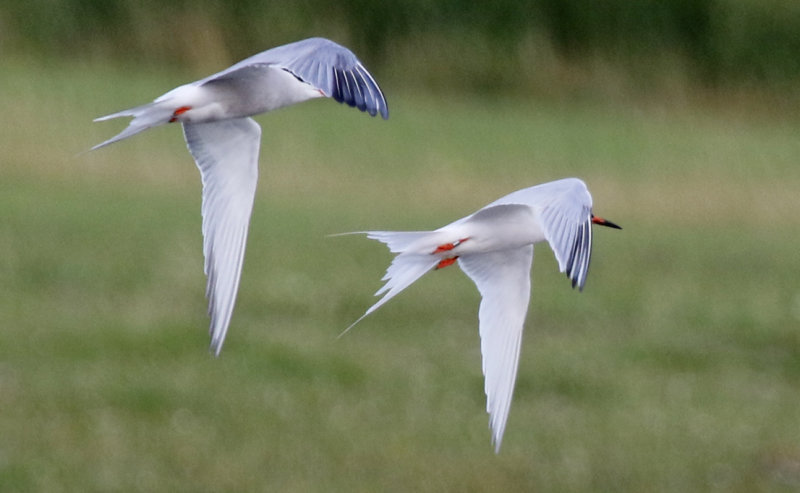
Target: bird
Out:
[215,113]
[494,248]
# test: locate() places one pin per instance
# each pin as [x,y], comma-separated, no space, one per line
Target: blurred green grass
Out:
[678,368]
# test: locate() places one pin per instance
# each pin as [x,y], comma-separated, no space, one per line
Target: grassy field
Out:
[677,369]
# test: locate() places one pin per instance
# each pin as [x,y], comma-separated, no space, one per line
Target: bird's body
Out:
[494,247]
[224,141]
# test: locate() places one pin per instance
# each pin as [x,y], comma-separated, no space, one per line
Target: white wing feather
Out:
[226,152]
[503,279]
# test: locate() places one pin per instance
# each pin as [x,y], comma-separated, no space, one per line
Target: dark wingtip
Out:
[574,281]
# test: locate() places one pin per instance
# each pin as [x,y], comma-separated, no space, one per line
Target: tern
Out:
[494,247]
[224,141]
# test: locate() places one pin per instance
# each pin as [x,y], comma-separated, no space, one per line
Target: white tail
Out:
[397,241]
[146,116]
[409,265]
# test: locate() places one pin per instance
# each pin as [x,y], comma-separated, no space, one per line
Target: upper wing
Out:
[503,279]
[226,153]
[565,211]
[567,225]
[327,65]
[572,240]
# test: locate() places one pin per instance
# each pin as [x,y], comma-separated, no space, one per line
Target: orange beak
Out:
[603,222]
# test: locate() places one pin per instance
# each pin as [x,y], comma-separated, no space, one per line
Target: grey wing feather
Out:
[566,213]
[581,254]
[568,229]
[328,66]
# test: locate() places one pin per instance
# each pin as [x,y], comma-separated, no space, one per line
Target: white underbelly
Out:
[510,227]
[248,93]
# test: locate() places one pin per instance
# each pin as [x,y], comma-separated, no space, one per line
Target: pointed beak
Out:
[604,222]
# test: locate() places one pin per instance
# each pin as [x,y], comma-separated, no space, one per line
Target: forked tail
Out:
[409,265]
[144,117]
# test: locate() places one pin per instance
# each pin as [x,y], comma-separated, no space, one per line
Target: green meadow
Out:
[677,369]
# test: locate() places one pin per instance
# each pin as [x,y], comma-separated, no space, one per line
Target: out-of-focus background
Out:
[677,368]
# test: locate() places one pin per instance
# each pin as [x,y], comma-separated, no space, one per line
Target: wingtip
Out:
[371,110]
[576,282]
[497,437]
[215,349]
[217,341]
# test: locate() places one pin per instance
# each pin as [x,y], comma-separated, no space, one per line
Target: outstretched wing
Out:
[328,66]
[503,279]
[226,153]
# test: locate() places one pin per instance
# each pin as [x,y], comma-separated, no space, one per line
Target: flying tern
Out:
[224,141]
[494,247]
